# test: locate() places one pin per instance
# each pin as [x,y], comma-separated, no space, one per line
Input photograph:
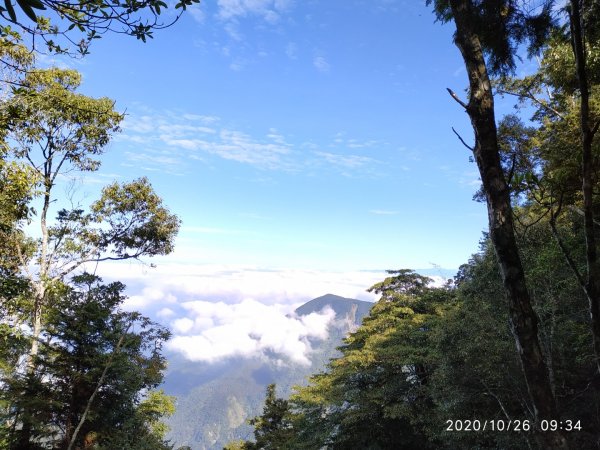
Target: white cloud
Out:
[271,16]
[175,283]
[165,313]
[193,133]
[149,295]
[197,13]
[354,143]
[276,137]
[321,64]
[237,65]
[139,124]
[291,50]
[470,179]
[232,29]
[172,138]
[248,329]
[224,311]
[188,144]
[200,118]
[269,10]
[438,281]
[347,161]
[237,146]
[182,325]
[178,129]
[341,141]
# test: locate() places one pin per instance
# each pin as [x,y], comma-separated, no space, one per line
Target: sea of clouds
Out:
[216,312]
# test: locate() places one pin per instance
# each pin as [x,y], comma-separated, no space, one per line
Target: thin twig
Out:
[462,140]
[531,97]
[504,411]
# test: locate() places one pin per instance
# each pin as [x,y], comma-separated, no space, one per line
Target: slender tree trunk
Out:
[592,283]
[88,406]
[523,320]
[40,283]
[39,293]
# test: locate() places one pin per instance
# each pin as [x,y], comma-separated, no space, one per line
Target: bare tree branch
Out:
[462,140]
[458,100]
[534,99]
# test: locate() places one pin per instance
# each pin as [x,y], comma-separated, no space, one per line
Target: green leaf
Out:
[26,7]
[37,4]
[11,10]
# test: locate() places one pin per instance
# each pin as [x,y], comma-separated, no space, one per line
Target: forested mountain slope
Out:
[215,401]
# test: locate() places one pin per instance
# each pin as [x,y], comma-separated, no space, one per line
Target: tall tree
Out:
[56,130]
[426,354]
[273,429]
[582,33]
[564,94]
[375,396]
[493,27]
[93,368]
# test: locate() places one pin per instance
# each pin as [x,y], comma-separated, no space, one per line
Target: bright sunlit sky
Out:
[306,146]
[300,134]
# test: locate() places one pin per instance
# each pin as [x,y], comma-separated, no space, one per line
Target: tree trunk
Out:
[523,320]
[592,283]
[40,283]
[39,294]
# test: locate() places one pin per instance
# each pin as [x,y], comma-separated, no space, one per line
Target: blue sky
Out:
[303,134]
[305,146]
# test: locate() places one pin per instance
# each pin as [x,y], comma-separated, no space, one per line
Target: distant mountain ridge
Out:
[341,305]
[215,411]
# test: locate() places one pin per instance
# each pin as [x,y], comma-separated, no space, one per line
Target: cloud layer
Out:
[169,285]
[213,331]
[217,312]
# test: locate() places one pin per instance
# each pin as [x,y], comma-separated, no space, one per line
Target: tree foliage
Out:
[503,25]
[93,366]
[53,126]
[372,395]
[74,368]
[428,354]
[76,23]
[54,130]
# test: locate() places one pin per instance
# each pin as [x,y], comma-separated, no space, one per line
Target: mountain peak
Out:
[341,305]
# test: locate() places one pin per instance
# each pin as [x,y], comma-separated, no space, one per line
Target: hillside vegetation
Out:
[217,401]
